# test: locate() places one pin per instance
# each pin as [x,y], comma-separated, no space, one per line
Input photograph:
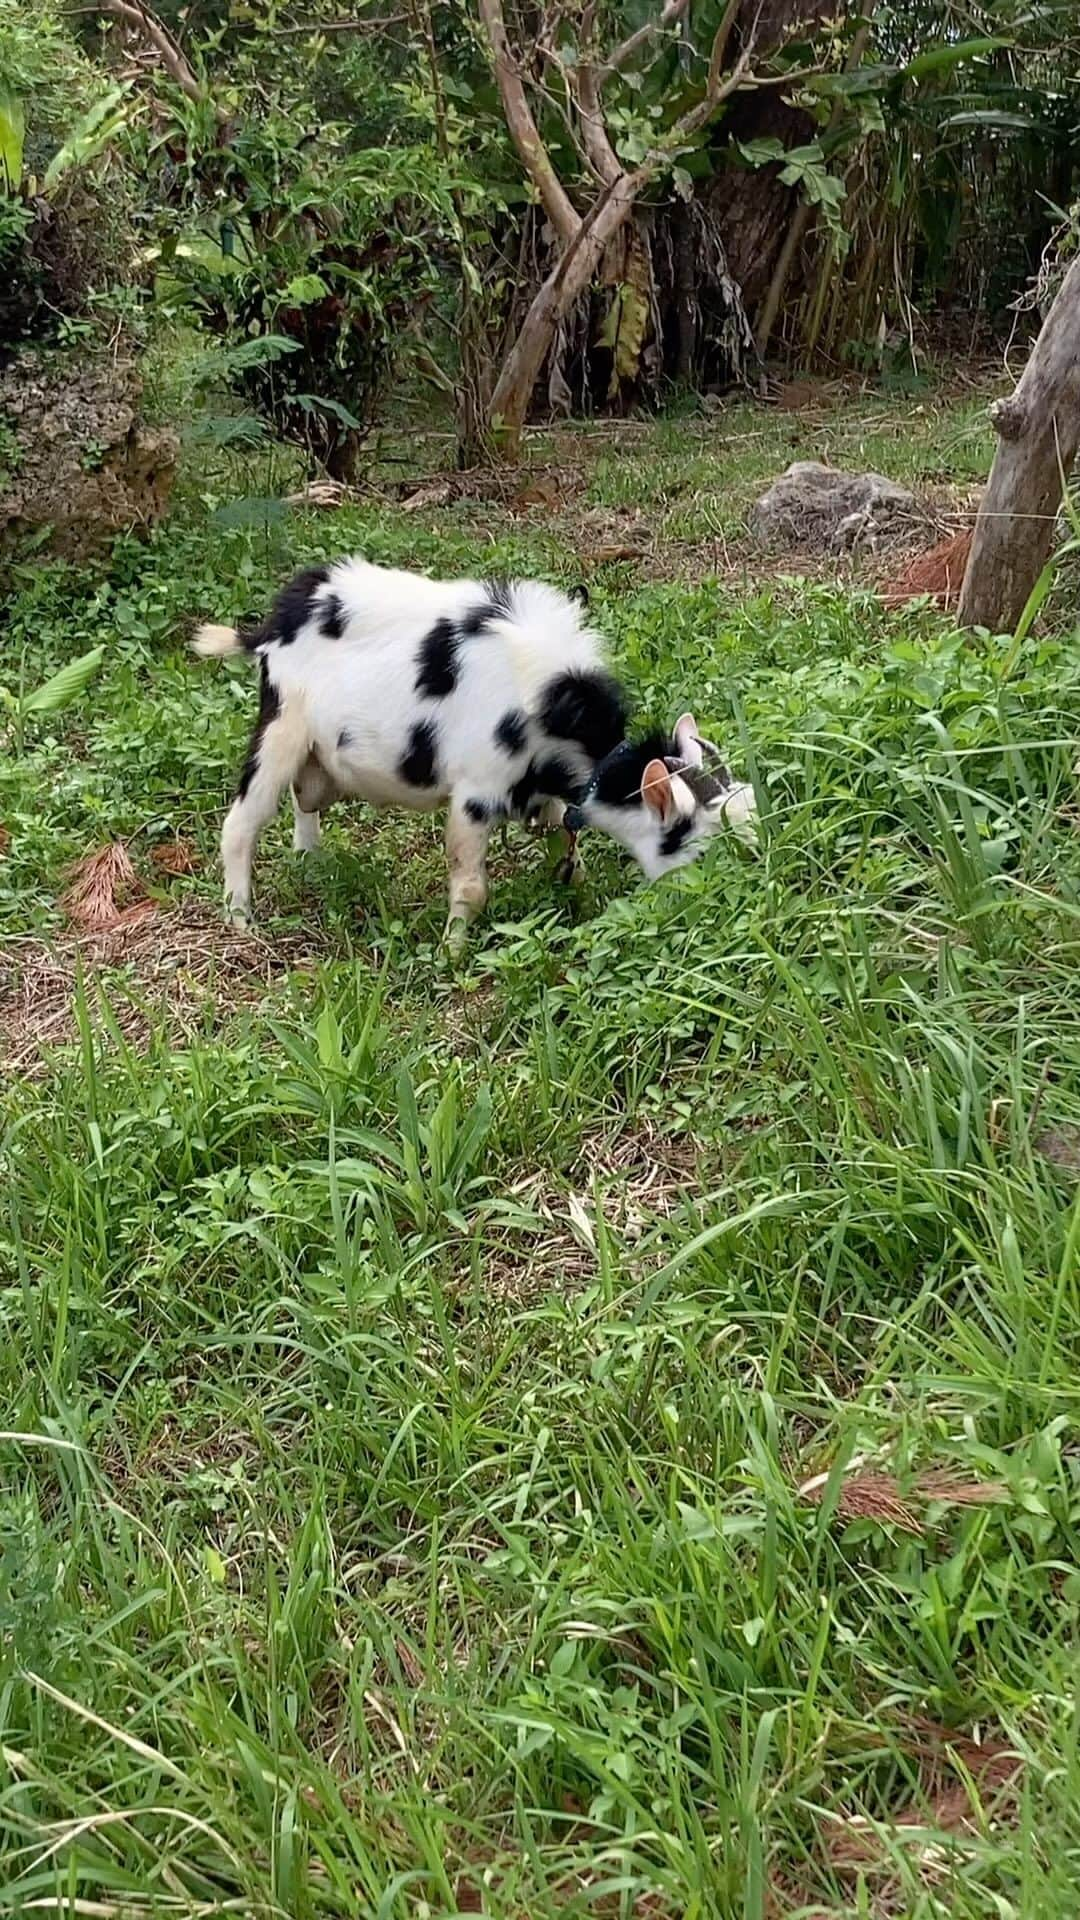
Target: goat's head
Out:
[663,798]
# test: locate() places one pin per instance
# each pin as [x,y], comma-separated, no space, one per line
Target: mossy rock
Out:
[76,457]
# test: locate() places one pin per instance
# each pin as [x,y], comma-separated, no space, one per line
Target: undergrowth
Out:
[595,1432]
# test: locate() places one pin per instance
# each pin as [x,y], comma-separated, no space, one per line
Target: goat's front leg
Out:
[466,852]
[571,868]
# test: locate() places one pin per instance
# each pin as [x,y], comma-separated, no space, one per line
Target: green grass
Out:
[416,1370]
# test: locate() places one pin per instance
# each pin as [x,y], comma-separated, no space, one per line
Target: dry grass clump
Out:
[104,891]
[868,1492]
[937,574]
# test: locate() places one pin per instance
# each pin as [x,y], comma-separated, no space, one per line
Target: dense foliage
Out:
[350,188]
[67,201]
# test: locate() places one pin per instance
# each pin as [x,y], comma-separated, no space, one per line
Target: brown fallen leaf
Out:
[603,556]
[436,496]
[175,857]
[542,494]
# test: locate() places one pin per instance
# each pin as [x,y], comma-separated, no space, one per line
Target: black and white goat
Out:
[491,696]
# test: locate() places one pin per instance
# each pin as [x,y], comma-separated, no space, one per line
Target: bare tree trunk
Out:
[686,301]
[1039,432]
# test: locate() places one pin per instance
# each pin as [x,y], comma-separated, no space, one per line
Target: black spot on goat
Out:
[512,732]
[417,764]
[269,708]
[332,620]
[295,605]
[437,670]
[587,708]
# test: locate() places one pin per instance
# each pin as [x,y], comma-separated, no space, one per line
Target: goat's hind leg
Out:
[312,792]
[307,827]
[279,746]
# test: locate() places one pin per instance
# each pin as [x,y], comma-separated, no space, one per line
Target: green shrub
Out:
[63,233]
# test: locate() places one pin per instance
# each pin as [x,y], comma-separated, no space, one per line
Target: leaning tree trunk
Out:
[1039,432]
[565,283]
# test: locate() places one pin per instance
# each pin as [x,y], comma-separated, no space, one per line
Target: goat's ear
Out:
[691,751]
[580,593]
[656,790]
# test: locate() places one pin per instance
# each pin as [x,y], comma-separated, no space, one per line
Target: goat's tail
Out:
[212,642]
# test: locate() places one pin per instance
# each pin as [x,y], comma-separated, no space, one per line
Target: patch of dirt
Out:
[175,858]
[1061,1146]
[175,1456]
[172,962]
[943,1805]
[963,1785]
[643,1173]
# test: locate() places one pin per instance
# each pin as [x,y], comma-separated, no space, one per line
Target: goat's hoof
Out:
[238,917]
[456,937]
[570,872]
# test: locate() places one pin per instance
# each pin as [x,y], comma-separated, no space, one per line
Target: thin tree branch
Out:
[565,104]
[602,157]
[719,49]
[173,58]
[523,129]
[588,81]
[358,25]
[620,57]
